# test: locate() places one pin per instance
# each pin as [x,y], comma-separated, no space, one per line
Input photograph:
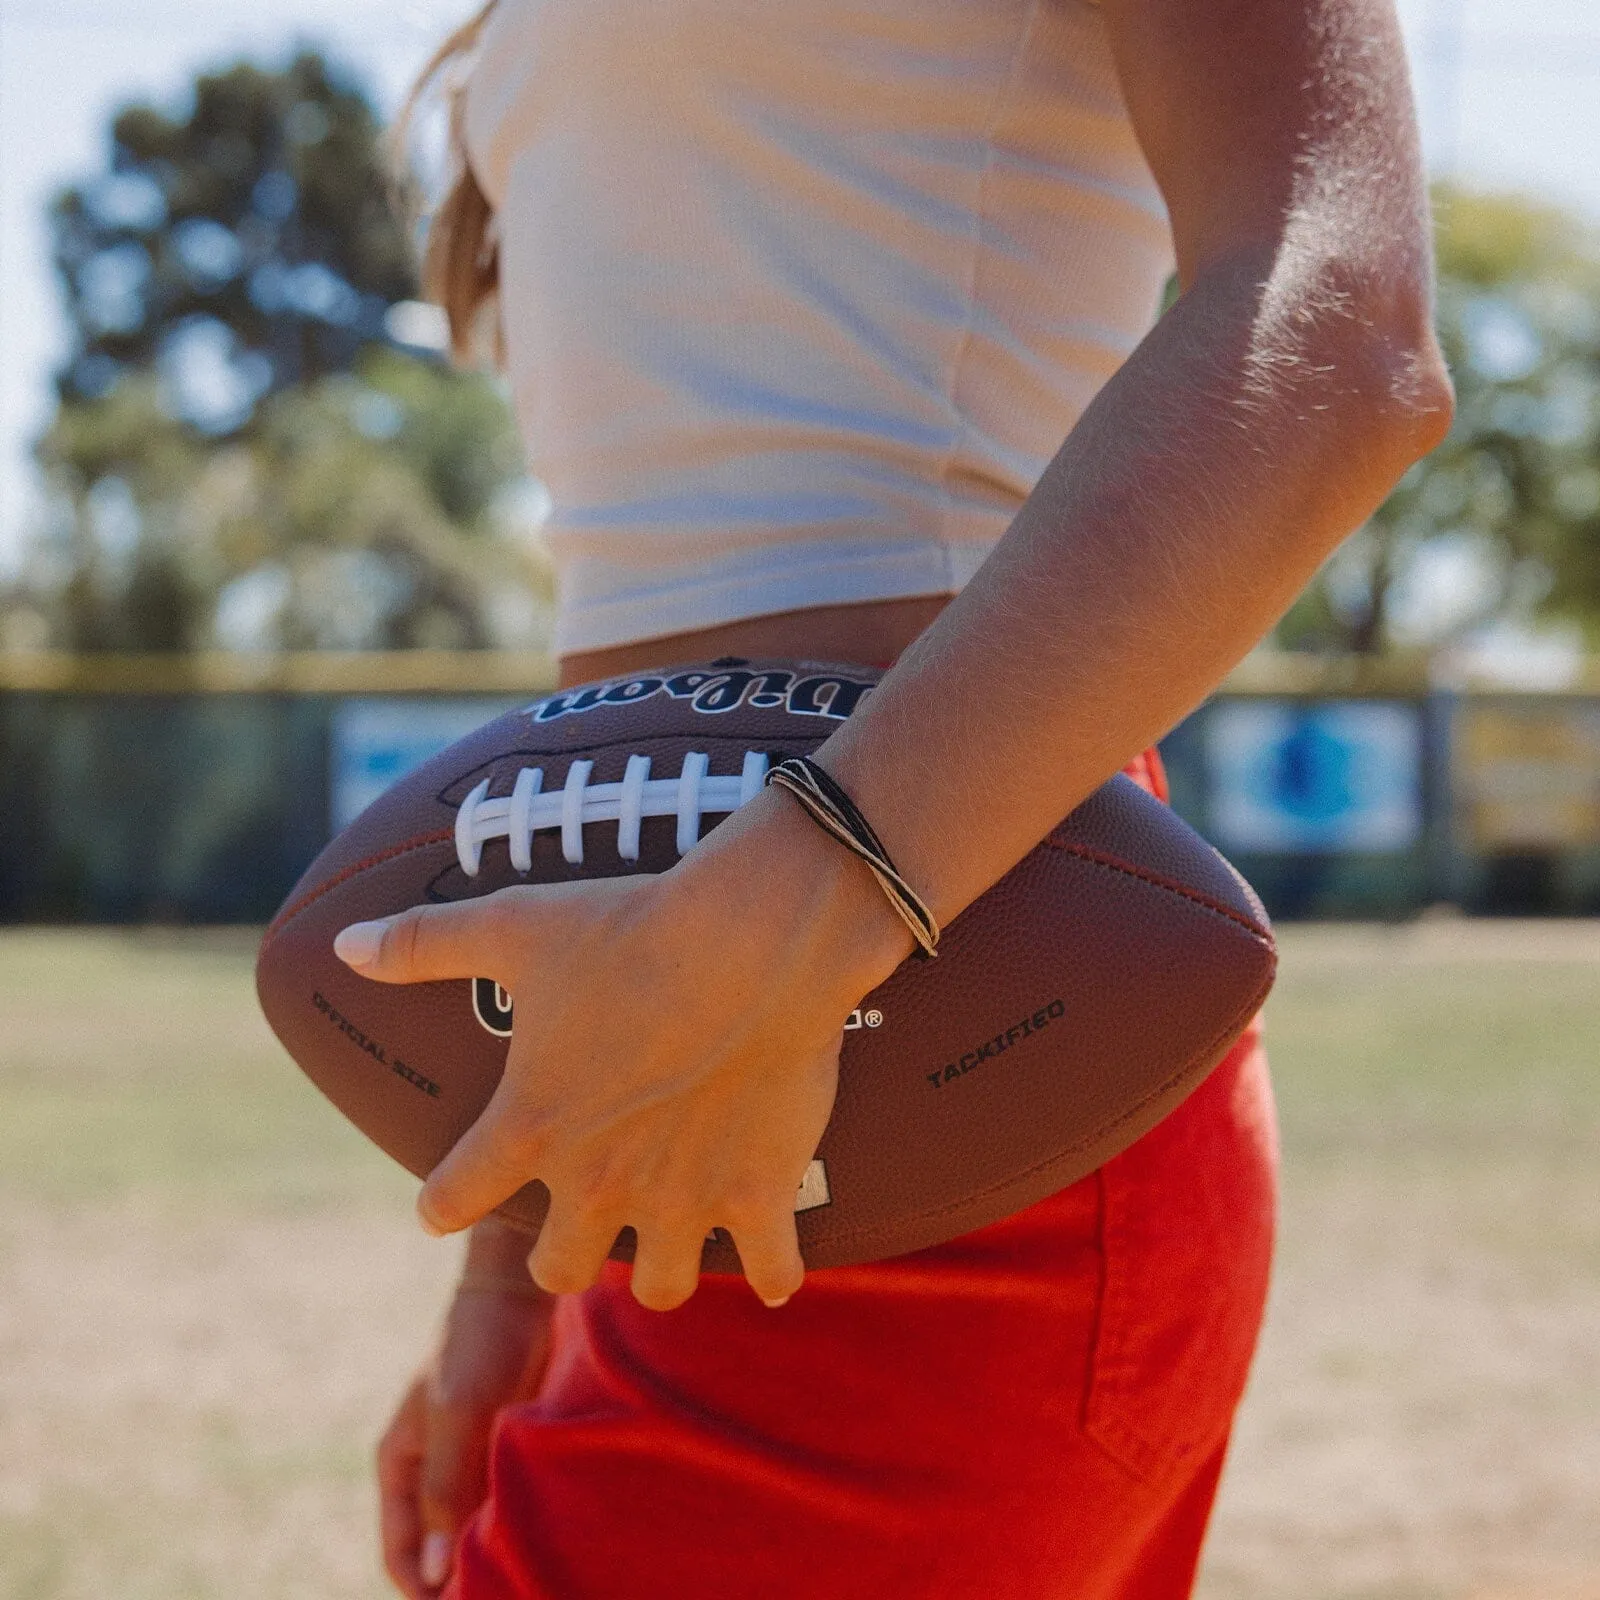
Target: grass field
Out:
[210,1290]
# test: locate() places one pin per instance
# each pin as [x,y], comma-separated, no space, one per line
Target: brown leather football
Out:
[1069,1010]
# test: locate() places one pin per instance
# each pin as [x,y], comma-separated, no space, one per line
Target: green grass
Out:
[1453,1055]
[138,1065]
[211,1287]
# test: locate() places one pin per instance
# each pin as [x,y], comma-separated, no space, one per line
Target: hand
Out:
[676,1047]
[433,1459]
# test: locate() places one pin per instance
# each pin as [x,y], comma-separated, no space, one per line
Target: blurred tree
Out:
[369,509]
[251,448]
[1502,522]
[237,249]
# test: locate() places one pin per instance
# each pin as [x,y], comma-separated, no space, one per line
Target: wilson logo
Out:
[716,692]
[491,1005]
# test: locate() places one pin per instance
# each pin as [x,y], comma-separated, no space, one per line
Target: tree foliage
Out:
[248,238]
[1501,523]
[243,452]
[363,510]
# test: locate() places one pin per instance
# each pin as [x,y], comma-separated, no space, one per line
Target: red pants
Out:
[1036,1411]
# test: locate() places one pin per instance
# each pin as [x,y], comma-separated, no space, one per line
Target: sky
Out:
[1508,90]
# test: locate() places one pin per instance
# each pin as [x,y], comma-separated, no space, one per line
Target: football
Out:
[1071,1007]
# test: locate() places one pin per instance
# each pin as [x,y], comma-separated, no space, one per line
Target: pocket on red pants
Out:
[1186,1236]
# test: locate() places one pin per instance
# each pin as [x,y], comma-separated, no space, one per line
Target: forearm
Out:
[677,1049]
[1196,497]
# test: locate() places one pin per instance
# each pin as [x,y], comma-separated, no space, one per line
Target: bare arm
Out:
[433,1460]
[1264,417]
[1258,423]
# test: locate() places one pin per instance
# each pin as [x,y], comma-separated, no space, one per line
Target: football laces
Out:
[531,809]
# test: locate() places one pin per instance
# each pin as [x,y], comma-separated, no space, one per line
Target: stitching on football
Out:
[1115,864]
[354,870]
[1198,1062]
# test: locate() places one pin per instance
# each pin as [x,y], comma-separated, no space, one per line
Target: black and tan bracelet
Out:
[835,812]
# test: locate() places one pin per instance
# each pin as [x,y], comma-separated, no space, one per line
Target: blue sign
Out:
[1295,778]
[377,742]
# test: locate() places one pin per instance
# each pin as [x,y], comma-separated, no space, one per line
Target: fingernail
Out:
[435,1559]
[358,945]
[774,1304]
[429,1226]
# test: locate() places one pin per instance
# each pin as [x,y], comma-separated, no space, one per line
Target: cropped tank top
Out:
[799,300]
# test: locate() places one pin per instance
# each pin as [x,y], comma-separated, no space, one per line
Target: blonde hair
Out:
[460,267]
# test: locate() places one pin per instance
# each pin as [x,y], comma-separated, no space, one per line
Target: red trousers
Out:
[1035,1411]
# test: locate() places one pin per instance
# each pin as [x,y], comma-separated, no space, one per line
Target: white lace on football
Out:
[530,809]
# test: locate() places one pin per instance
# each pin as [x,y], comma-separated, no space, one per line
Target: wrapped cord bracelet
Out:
[835,812]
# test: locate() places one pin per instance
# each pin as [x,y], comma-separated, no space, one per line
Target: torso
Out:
[797,303]
[875,633]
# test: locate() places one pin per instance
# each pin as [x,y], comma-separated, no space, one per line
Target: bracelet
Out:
[834,811]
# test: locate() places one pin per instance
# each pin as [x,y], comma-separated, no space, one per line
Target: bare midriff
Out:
[872,633]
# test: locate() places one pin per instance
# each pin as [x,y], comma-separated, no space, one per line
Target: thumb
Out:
[454,1481]
[438,1547]
[470,939]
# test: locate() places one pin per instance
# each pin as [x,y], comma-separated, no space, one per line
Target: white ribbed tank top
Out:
[799,299]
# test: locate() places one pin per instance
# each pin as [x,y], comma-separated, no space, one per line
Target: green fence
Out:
[138,789]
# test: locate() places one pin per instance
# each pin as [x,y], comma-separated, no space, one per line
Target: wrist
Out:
[772,863]
[515,1286]
[497,1261]
[825,801]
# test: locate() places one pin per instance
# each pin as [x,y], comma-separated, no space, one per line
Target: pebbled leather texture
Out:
[1071,1008]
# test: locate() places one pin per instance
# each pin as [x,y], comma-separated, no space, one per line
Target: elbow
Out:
[1430,397]
[1388,397]
[1349,362]
[1342,383]
[1415,399]
[1394,358]
[1344,339]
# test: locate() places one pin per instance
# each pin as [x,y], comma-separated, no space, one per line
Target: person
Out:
[833,334]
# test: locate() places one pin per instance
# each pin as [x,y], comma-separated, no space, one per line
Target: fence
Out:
[136,789]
